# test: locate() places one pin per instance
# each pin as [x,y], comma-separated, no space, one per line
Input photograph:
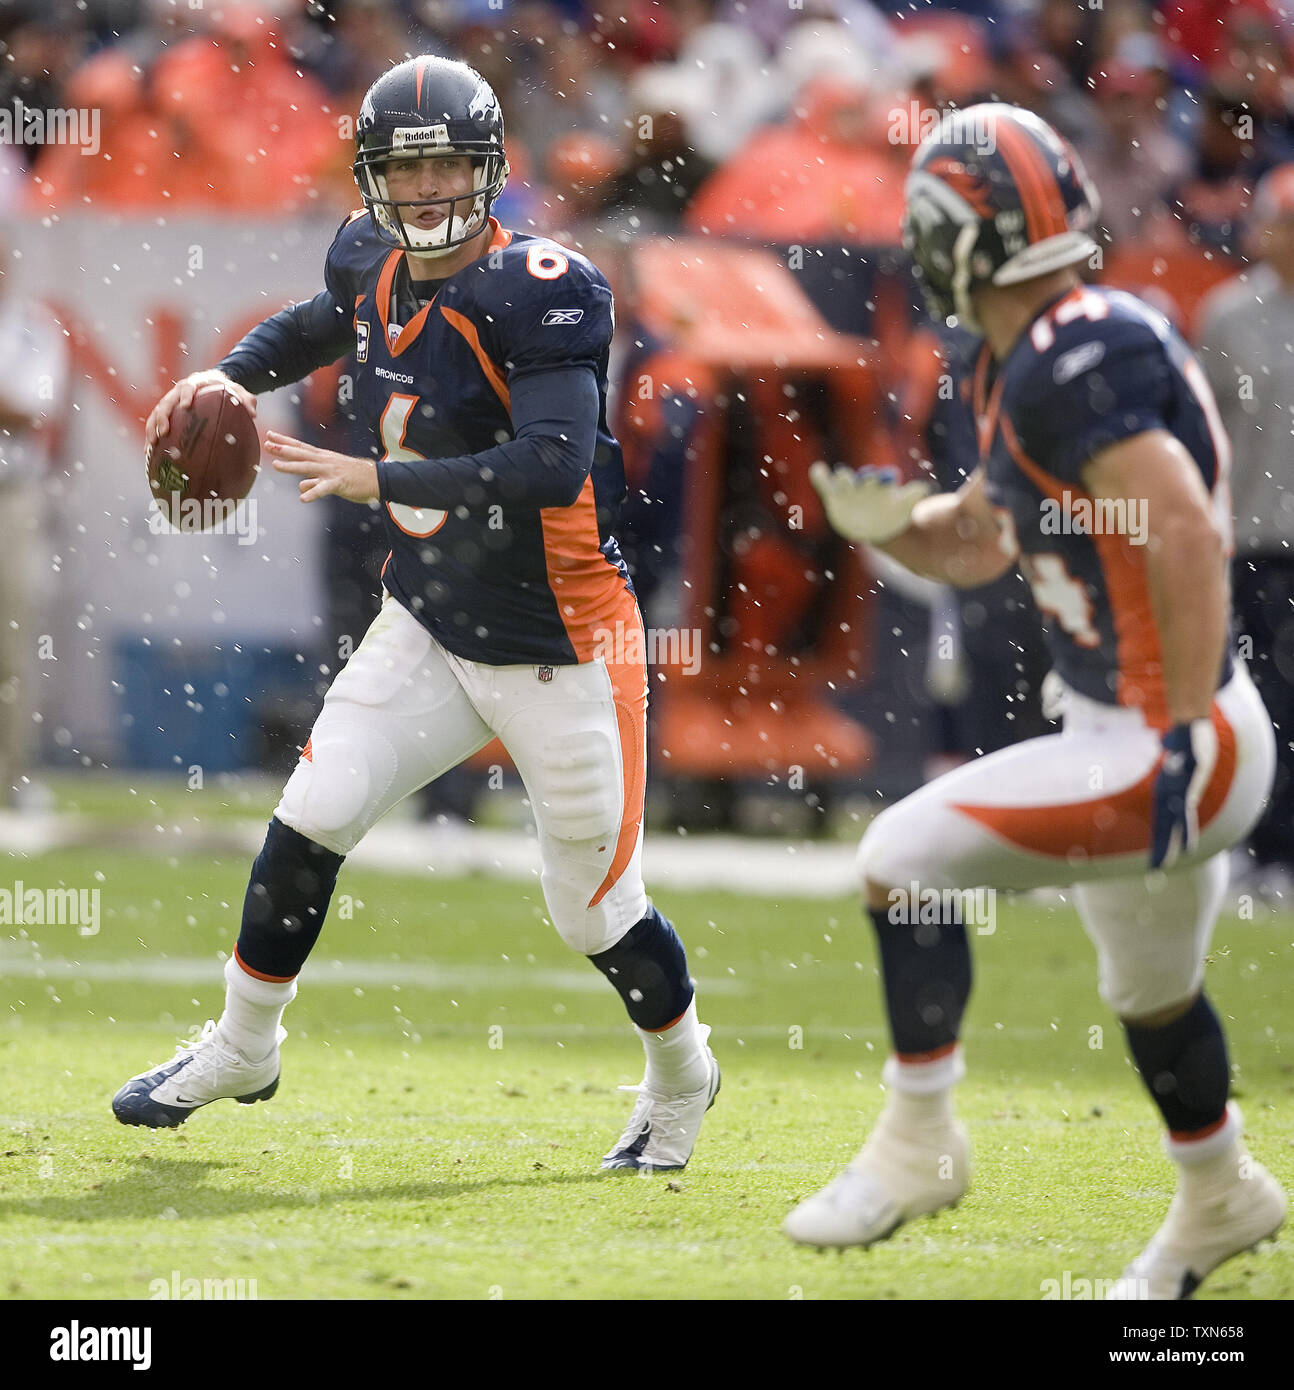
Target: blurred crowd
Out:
[781,121]
[787,123]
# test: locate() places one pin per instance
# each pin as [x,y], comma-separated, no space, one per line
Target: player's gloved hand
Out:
[1190,755]
[868,505]
[181,395]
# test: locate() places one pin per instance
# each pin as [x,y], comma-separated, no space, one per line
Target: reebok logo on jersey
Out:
[562,316]
[1076,361]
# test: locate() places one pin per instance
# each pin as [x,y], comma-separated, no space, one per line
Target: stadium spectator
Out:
[1025,74]
[662,171]
[1203,30]
[726,88]
[277,129]
[1246,338]
[140,162]
[1211,201]
[40,51]
[1133,160]
[770,20]
[829,175]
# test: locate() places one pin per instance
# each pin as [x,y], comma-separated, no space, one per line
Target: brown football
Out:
[209,457]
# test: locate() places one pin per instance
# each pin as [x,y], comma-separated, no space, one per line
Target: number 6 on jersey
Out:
[413,521]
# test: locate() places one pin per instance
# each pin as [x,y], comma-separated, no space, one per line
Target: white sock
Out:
[920,1112]
[920,1093]
[1217,1160]
[676,1058]
[253,1011]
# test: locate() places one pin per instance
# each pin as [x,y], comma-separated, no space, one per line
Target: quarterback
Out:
[1091,413]
[482,373]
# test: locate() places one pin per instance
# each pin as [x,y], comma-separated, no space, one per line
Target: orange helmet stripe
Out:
[1040,194]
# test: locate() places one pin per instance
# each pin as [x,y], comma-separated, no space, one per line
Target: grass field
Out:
[450,1085]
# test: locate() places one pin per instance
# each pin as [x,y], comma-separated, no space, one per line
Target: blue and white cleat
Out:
[200,1072]
[662,1130]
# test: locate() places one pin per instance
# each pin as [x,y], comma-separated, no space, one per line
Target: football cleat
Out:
[662,1130]
[200,1072]
[1202,1231]
[895,1178]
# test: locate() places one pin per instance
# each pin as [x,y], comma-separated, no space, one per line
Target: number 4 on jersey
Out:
[1058,594]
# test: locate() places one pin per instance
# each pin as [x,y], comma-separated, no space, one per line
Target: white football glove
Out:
[870,505]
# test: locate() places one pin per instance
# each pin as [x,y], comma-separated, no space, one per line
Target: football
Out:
[207,461]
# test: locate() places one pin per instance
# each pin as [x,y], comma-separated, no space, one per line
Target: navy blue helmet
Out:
[994,196]
[430,108]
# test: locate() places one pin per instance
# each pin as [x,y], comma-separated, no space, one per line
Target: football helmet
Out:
[994,196]
[430,107]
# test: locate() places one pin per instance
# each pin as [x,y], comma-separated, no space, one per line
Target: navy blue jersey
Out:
[1097,367]
[496,577]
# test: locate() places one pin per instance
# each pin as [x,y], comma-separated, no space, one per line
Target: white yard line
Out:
[723,863]
[19,963]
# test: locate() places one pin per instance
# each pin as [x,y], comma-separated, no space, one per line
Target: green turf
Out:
[413,1152]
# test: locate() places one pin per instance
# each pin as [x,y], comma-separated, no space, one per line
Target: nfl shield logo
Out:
[544,673]
[361,341]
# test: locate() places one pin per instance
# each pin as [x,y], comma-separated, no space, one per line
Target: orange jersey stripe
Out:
[589,591]
[1104,825]
[493,375]
[629,690]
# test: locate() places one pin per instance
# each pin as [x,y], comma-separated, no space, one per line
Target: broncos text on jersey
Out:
[1096,367]
[500,584]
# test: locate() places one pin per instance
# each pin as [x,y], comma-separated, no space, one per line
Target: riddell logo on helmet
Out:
[418,136]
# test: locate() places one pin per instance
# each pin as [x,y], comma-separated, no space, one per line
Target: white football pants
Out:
[1075,808]
[403,710]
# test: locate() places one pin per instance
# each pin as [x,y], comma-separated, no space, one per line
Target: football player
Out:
[482,373]
[1103,474]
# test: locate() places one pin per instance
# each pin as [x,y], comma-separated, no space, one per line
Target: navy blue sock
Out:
[648,967]
[287,898]
[926,972]
[1185,1068]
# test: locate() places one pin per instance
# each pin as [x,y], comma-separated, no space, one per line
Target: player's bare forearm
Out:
[1189,593]
[1185,561]
[953,538]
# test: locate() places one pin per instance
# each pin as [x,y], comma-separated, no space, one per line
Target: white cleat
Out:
[894,1179]
[1202,1231]
[663,1129]
[200,1072]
